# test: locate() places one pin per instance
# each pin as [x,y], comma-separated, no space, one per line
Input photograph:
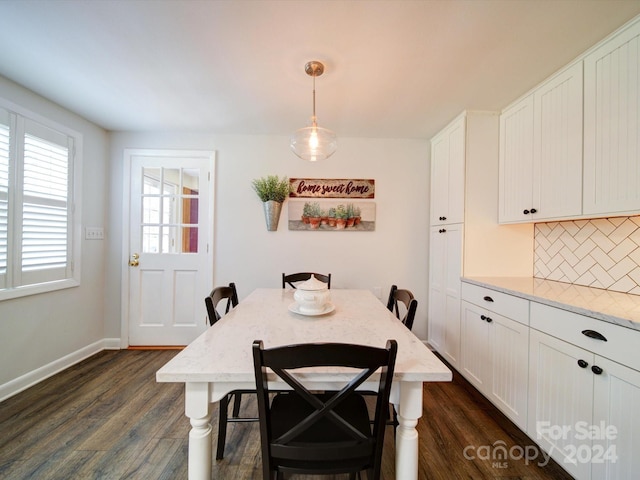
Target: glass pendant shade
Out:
[314,143]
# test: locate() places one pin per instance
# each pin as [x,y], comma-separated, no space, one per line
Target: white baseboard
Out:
[29,379]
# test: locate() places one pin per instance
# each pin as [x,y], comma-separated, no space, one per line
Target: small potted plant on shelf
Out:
[351,218]
[358,215]
[273,191]
[315,213]
[324,217]
[341,217]
[331,217]
[306,209]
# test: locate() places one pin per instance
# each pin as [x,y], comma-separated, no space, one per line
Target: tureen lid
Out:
[312,284]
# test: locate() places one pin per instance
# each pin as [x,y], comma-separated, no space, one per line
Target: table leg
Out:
[198,409]
[410,410]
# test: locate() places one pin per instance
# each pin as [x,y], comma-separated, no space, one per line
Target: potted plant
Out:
[358,215]
[306,210]
[341,217]
[351,217]
[315,213]
[324,217]
[331,217]
[273,191]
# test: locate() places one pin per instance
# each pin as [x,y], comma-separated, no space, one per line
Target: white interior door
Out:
[169,252]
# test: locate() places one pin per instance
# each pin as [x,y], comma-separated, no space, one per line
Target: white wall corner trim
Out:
[29,379]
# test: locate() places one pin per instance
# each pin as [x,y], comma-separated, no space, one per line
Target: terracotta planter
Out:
[314,222]
[341,223]
[332,221]
[350,221]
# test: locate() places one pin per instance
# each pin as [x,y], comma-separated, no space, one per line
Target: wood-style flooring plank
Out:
[107,418]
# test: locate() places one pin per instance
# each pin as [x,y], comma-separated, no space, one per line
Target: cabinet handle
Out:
[489,319]
[533,210]
[594,334]
[526,212]
[488,299]
[582,363]
[444,218]
[596,369]
[442,230]
[483,317]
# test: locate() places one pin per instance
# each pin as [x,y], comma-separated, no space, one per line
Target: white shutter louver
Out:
[4,194]
[45,207]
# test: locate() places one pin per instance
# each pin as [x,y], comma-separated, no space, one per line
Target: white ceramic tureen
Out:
[312,297]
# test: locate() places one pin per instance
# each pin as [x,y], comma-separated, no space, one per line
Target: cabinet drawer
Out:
[503,304]
[621,343]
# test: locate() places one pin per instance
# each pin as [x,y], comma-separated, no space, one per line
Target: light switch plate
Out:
[94,233]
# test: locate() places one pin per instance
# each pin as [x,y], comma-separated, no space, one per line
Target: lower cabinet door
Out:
[509,342]
[475,352]
[616,422]
[560,400]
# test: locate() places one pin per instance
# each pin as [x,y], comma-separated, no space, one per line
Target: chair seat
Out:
[323,442]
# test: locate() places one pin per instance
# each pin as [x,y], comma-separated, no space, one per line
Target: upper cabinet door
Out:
[557,146]
[612,125]
[516,162]
[447,174]
[541,152]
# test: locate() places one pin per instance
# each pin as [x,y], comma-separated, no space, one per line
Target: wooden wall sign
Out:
[332,188]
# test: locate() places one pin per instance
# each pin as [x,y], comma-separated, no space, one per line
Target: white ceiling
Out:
[395,69]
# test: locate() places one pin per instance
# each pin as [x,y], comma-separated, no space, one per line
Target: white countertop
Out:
[614,307]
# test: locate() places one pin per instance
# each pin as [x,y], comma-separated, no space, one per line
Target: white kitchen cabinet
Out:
[495,349]
[615,391]
[560,396]
[579,400]
[516,161]
[541,152]
[447,174]
[468,147]
[612,125]
[445,254]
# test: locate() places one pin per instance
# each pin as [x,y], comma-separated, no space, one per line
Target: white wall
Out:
[246,253]
[39,333]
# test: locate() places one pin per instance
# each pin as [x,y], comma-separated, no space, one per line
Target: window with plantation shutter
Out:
[37,253]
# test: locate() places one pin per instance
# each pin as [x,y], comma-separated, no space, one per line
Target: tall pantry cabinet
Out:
[464,231]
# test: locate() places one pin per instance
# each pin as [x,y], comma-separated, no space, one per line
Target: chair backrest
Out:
[402,302]
[292,444]
[218,294]
[293,278]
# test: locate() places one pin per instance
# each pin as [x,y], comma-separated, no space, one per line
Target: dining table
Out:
[220,361]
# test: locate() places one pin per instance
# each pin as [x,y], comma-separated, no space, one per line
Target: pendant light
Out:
[314,142]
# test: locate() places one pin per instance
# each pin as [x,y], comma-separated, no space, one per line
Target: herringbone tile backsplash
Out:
[602,253]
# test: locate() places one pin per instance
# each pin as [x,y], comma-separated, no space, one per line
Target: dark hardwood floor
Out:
[107,418]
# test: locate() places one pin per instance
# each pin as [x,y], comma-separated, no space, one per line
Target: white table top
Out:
[223,352]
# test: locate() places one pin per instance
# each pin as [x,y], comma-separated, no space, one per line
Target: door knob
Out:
[133,262]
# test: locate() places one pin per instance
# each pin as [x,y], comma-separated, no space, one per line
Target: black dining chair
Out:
[322,433]
[217,295]
[294,278]
[228,293]
[402,303]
